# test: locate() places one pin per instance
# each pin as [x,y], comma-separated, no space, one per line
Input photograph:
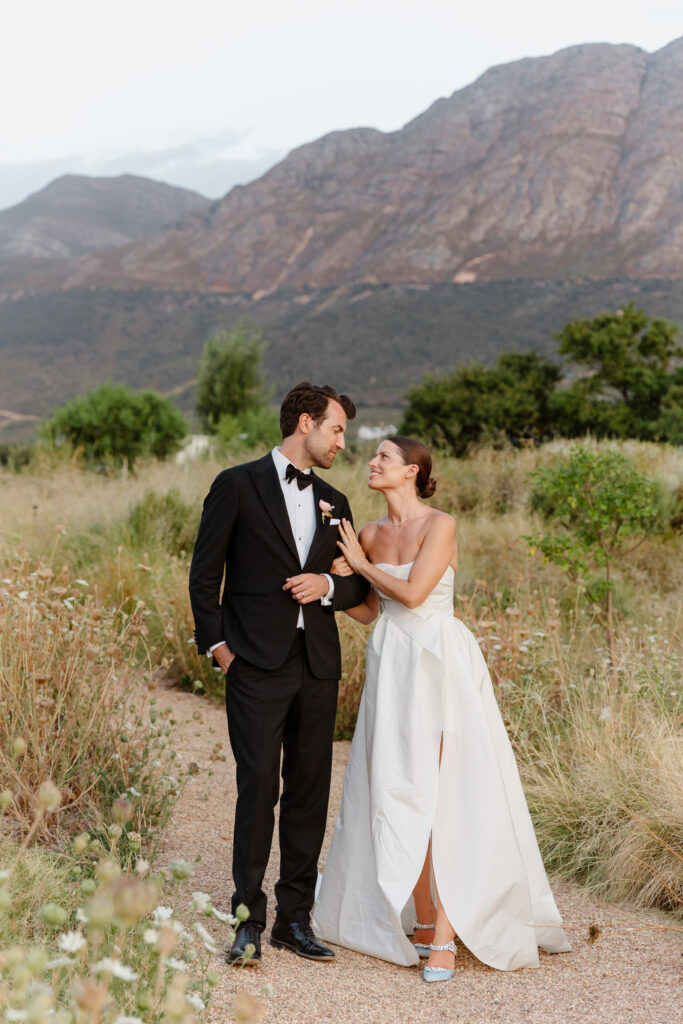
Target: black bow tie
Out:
[302,479]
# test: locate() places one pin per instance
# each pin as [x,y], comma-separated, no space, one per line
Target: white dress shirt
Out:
[301,511]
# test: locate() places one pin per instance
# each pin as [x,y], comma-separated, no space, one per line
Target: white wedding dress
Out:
[426,677]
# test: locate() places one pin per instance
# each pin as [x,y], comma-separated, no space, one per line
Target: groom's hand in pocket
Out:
[224,657]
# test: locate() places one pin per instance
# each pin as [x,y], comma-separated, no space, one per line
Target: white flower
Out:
[206,937]
[133,791]
[150,936]
[162,914]
[128,1020]
[225,918]
[68,603]
[195,1001]
[201,902]
[142,866]
[81,916]
[60,961]
[83,583]
[71,942]
[116,968]
[11,1014]
[174,964]
[604,714]
[22,595]
[6,872]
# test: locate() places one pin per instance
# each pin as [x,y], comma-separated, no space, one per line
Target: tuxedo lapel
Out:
[267,485]
[320,491]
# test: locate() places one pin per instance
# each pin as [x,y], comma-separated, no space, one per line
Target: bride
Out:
[433,821]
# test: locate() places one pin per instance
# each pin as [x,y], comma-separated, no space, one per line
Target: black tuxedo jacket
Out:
[245,530]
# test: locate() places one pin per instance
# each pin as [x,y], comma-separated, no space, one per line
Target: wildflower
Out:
[81,842]
[124,1019]
[36,960]
[195,1001]
[132,899]
[11,1014]
[122,810]
[98,912]
[174,964]
[241,912]
[162,914]
[212,978]
[267,989]
[206,937]
[49,796]
[53,915]
[247,1008]
[71,942]
[201,902]
[22,595]
[225,918]
[19,746]
[150,936]
[88,886]
[181,869]
[59,962]
[89,995]
[116,968]
[142,867]
[604,714]
[83,583]
[133,791]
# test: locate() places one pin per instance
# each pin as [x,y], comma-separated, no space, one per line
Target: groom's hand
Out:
[223,656]
[308,587]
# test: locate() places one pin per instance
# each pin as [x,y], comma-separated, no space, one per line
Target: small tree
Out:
[113,425]
[230,375]
[604,509]
[628,356]
[475,404]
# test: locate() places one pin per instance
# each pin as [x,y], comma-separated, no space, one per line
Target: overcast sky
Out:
[210,93]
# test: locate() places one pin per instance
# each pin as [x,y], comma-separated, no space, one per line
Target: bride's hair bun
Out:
[425,490]
[417,454]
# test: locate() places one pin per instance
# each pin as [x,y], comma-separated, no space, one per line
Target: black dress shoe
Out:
[298,937]
[246,934]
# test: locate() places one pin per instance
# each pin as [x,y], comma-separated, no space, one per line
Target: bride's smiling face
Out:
[387,468]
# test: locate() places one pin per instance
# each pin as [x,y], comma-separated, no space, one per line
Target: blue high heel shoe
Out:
[422,948]
[440,973]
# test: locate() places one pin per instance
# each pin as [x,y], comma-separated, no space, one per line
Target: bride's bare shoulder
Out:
[368,531]
[440,520]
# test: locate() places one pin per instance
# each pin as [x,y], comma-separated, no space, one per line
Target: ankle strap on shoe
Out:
[449,947]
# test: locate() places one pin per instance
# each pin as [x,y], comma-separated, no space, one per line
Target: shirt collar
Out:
[281,462]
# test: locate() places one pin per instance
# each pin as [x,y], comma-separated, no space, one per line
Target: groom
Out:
[272,525]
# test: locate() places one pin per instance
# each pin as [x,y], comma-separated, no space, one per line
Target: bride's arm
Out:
[429,566]
[368,610]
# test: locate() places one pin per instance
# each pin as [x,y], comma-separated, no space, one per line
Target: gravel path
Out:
[630,975]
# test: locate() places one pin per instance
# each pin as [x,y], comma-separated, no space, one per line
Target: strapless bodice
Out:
[439,602]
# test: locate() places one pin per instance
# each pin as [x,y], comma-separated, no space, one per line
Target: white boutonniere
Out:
[325,510]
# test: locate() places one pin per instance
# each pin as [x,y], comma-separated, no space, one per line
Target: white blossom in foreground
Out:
[116,968]
[174,964]
[150,936]
[162,914]
[195,1001]
[71,942]
[206,937]
[225,918]
[201,902]
[60,961]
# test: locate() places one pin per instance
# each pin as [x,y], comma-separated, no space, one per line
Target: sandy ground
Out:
[630,975]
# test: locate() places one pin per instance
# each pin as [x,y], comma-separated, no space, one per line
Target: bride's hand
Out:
[340,567]
[350,546]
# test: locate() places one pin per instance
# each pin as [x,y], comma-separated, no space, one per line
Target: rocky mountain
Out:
[551,167]
[76,215]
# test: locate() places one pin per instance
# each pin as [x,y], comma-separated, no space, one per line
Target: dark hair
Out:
[313,399]
[417,454]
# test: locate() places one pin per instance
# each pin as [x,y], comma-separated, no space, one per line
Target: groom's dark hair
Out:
[313,399]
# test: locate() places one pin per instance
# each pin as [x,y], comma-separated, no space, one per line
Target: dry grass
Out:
[600,769]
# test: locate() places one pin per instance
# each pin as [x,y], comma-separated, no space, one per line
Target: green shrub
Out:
[164,521]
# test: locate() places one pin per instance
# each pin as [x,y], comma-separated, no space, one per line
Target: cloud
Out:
[211,166]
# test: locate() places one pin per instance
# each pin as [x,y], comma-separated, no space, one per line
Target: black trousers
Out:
[288,712]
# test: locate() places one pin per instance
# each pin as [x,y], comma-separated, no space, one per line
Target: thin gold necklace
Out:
[402,521]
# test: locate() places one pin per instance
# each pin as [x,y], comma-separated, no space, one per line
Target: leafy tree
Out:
[256,428]
[628,356]
[602,509]
[230,375]
[113,425]
[513,399]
